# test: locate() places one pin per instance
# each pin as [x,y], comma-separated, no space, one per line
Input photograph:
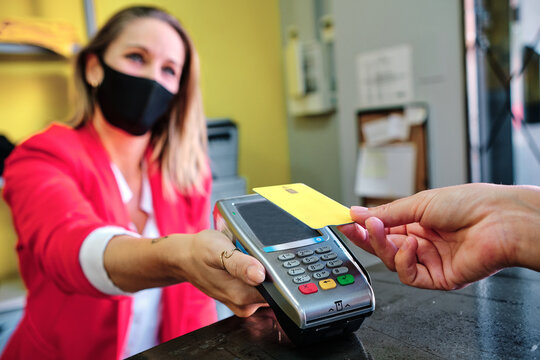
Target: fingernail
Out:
[359,208]
[255,274]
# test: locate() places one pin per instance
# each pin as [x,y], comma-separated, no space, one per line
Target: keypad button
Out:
[327,284]
[345,279]
[291,263]
[340,270]
[310,260]
[285,257]
[315,267]
[303,253]
[308,288]
[296,271]
[321,274]
[329,256]
[301,279]
[334,263]
[323,249]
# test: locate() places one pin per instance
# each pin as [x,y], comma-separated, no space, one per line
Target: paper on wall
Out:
[415,115]
[385,130]
[385,76]
[386,171]
[398,128]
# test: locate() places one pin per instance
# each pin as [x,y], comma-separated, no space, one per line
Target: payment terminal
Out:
[313,283]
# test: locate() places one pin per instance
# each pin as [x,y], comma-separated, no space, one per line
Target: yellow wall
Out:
[239,45]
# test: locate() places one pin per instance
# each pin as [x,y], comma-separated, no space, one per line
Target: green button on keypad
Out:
[346,279]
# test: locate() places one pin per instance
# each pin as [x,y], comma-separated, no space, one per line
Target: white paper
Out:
[385,76]
[386,171]
[415,115]
[385,130]
[398,128]
[376,132]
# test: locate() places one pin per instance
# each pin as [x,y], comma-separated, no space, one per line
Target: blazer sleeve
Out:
[51,214]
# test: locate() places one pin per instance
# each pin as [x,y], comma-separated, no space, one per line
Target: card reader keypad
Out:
[296,271]
[329,256]
[310,259]
[321,263]
[291,263]
[323,249]
[321,275]
[315,267]
[303,253]
[340,270]
[287,256]
[300,279]
[334,263]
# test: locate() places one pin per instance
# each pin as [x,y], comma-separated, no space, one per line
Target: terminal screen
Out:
[272,225]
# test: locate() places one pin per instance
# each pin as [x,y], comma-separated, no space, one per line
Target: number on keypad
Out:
[310,259]
[303,253]
[284,257]
[329,256]
[334,263]
[301,279]
[315,267]
[321,275]
[291,263]
[296,271]
[340,270]
[323,249]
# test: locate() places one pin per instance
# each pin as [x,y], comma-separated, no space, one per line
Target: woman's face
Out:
[148,48]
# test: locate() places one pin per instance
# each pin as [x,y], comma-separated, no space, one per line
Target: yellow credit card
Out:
[306,204]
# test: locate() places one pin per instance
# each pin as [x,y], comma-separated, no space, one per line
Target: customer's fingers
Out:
[382,246]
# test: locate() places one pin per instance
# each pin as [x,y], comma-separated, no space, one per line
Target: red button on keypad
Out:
[308,288]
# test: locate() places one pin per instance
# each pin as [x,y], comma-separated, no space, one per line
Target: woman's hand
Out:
[232,285]
[449,237]
[139,263]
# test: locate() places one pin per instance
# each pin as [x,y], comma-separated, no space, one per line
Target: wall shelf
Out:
[24,49]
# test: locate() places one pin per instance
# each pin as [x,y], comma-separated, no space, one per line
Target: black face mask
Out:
[131,103]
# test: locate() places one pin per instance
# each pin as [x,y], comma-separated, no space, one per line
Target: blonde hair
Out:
[178,140]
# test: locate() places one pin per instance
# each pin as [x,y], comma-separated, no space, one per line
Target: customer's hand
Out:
[449,237]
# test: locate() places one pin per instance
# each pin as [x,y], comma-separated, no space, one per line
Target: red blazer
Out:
[60,188]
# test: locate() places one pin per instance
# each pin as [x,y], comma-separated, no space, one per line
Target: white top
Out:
[146,309]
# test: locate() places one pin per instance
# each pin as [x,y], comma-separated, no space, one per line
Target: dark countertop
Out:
[496,318]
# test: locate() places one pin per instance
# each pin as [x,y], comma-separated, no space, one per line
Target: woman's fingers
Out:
[242,266]
[244,299]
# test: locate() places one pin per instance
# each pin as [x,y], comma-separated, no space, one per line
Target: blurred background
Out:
[365,101]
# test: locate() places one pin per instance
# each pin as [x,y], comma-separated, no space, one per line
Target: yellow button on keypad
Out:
[327,284]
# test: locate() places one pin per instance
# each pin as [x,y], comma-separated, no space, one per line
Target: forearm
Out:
[140,263]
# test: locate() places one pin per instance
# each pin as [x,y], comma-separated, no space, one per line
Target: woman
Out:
[93,204]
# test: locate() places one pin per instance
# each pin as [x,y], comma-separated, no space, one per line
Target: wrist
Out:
[525,226]
[175,255]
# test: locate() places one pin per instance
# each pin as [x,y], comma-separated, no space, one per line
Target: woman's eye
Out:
[169,70]
[135,57]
